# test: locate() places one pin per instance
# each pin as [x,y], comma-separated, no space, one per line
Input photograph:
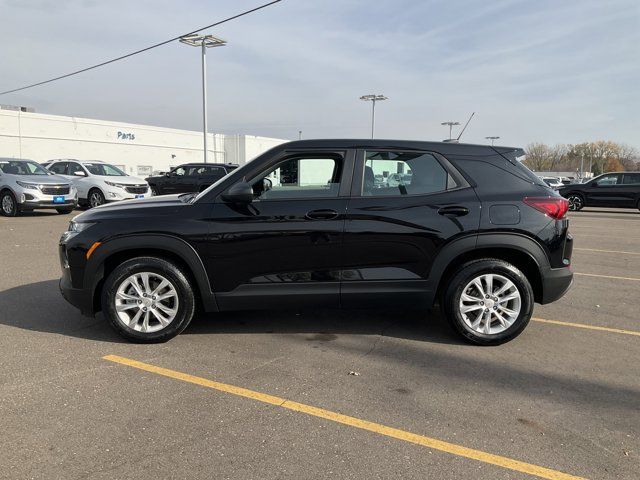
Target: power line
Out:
[247,12]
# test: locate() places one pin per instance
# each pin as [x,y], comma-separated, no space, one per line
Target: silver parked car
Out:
[25,185]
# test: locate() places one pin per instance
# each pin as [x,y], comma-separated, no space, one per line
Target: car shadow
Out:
[52,314]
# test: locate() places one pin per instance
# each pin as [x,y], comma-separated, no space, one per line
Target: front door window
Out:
[299,177]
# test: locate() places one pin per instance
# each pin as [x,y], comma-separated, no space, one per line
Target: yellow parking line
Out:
[587,327]
[422,440]
[633,279]
[606,251]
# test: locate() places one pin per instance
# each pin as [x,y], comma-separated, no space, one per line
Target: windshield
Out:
[104,170]
[22,167]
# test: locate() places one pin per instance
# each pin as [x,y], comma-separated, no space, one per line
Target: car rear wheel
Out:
[488,301]
[576,202]
[95,198]
[8,204]
[148,300]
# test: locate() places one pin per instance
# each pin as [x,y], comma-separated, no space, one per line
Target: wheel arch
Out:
[521,251]
[113,252]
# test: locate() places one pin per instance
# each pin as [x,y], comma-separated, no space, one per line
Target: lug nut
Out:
[495,308]
[139,301]
[486,310]
[144,309]
[481,303]
[153,298]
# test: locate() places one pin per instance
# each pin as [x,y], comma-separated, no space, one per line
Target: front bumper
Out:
[80,298]
[555,283]
[30,198]
[117,194]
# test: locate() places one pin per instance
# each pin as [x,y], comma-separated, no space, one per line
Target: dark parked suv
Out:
[613,190]
[188,178]
[306,225]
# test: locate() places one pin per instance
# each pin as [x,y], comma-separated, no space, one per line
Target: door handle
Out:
[321,215]
[454,211]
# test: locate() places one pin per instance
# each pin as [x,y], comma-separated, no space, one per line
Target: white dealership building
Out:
[137,149]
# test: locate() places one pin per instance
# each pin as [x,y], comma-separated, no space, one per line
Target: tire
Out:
[64,211]
[95,198]
[576,202]
[118,289]
[154,191]
[515,313]
[8,204]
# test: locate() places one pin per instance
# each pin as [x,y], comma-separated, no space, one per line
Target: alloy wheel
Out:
[575,202]
[95,199]
[7,204]
[490,304]
[146,302]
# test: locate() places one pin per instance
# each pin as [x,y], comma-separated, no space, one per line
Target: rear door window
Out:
[389,173]
[631,179]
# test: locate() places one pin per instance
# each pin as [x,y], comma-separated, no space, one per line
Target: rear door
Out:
[631,189]
[606,191]
[207,175]
[394,233]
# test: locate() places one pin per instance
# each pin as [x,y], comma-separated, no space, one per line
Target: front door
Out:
[284,248]
[605,191]
[405,207]
[177,181]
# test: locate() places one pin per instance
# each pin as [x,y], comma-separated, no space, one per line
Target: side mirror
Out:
[267,184]
[241,192]
[79,173]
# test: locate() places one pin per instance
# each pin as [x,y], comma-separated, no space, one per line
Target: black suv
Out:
[613,190]
[307,225]
[189,178]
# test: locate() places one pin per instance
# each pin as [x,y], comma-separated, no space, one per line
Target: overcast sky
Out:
[546,70]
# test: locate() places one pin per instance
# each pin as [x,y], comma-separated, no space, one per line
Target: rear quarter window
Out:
[515,158]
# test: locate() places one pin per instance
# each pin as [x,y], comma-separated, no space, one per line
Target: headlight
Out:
[74,229]
[32,186]
[112,184]
[77,227]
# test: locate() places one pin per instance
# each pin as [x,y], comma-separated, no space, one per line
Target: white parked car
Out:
[553,182]
[99,182]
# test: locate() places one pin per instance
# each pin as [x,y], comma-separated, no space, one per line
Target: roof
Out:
[441,147]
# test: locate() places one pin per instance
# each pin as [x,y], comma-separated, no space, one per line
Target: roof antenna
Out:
[465,127]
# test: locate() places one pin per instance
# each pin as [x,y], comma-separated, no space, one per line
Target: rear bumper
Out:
[555,283]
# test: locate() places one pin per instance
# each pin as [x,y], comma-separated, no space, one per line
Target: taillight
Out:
[554,207]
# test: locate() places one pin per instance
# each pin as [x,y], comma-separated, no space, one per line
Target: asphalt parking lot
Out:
[276,395]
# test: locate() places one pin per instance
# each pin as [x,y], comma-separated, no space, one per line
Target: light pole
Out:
[299,134]
[204,42]
[451,124]
[373,99]
[492,139]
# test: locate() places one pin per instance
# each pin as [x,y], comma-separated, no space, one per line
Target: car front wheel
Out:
[8,205]
[488,301]
[576,202]
[148,300]
[96,198]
